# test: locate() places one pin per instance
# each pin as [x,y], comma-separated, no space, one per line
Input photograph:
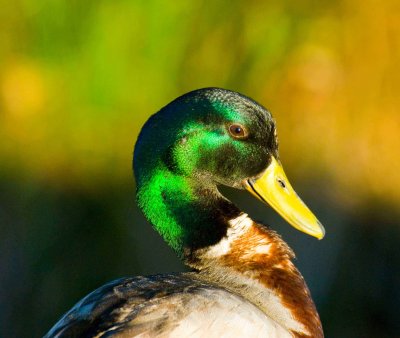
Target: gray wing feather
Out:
[162,306]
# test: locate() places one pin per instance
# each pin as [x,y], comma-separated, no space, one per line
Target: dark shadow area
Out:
[58,245]
[364,297]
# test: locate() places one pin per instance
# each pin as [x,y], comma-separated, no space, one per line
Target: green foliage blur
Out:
[79,78]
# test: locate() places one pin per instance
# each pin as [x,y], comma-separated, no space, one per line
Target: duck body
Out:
[243,283]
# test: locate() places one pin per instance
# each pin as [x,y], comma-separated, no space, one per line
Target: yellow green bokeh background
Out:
[79,78]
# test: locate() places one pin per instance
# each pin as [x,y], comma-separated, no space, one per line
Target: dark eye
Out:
[237,131]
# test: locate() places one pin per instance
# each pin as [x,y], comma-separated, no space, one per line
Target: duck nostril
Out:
[281,183]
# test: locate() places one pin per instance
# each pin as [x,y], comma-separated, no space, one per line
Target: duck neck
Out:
[188,213]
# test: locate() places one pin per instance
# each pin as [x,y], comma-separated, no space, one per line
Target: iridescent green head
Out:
[216,135]
[202,139]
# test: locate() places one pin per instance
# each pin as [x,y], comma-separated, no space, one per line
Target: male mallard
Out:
[244,283]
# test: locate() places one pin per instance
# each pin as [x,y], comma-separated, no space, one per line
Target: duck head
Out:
[203,139]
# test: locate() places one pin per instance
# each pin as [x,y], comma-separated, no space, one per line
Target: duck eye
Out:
[237,131]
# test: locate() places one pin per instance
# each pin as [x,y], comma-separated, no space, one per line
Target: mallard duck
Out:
[243,282]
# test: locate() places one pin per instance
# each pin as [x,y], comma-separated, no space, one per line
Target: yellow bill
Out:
[274,188]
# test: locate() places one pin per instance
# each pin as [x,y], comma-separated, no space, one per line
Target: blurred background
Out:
[79,78]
